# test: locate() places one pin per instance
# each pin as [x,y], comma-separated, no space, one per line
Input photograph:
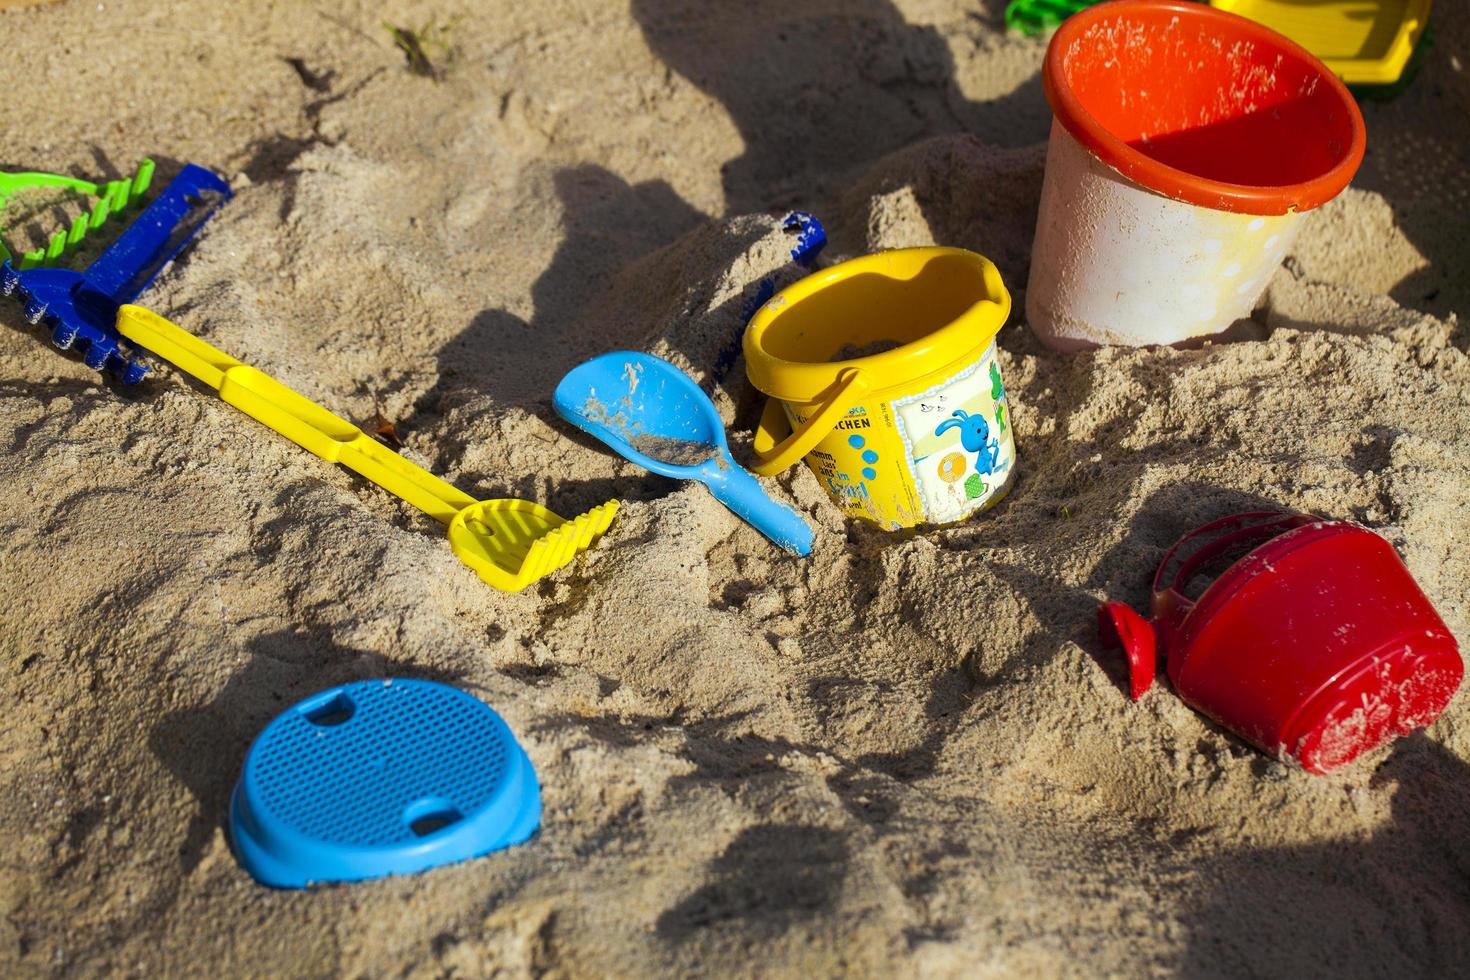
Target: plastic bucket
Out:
[1186,147]
[919,433]
[1317,645]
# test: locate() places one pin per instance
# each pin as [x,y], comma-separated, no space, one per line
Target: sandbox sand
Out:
[905,755]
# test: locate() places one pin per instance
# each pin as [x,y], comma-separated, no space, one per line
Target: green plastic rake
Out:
[1035,16]
[112,197]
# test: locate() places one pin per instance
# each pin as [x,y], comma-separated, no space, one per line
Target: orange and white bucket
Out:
[1187,146]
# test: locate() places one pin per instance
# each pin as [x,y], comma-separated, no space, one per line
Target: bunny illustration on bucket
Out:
[975,437]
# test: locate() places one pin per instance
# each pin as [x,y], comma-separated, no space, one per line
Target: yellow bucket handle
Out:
[852,385]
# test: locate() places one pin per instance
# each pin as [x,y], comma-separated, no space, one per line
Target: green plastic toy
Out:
[1035,16]
[112,197]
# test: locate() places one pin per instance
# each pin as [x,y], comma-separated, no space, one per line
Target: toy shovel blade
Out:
[511,543]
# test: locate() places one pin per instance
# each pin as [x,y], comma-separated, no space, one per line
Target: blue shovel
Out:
[623,397]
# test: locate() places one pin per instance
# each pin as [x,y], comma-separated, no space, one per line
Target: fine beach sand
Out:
[905,755]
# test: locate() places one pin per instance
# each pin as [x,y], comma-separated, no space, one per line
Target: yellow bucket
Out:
[916,434]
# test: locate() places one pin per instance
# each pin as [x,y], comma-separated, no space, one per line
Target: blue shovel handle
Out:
[742,493]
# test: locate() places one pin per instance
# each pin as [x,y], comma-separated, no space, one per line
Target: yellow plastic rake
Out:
[509,543]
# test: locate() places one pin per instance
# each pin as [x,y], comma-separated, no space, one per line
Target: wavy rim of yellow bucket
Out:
[804,381]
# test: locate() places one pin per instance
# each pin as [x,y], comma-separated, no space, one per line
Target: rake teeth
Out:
[33,307]
[80,307]
[557,548]
[113,198]
[99,351]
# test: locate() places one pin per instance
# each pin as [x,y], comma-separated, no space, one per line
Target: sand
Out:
[679,452]
[905,755]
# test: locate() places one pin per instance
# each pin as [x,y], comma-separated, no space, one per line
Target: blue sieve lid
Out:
[380,777]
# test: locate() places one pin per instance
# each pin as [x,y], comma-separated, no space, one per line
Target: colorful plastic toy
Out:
[880,427]
[380,778]
[81,307]
[1316,645]
[811,238]
[1188,146]
[113,198]
[1034,16]
[509,543]
[627,399]
[1367,43]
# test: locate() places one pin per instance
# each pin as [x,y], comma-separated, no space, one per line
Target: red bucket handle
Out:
[1144,641]
[1170,604]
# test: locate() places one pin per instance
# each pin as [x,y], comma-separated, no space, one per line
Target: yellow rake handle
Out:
[292,414]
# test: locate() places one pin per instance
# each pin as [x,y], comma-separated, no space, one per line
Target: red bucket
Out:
[1317,645]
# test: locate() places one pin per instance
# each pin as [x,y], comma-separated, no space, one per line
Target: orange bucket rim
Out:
[1181,184]
[805,381]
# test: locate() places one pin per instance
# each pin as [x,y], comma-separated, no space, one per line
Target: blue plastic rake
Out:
[81,307]
[811,238]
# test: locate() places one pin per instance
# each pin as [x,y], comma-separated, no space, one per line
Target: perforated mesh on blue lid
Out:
[357,767]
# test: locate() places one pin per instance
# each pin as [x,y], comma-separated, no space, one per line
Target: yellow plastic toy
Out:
[882,373]
[509,543]
[1363,42]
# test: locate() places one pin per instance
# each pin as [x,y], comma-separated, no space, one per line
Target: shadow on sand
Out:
[820,90]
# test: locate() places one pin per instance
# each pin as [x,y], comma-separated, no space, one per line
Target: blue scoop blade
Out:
[620,396]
